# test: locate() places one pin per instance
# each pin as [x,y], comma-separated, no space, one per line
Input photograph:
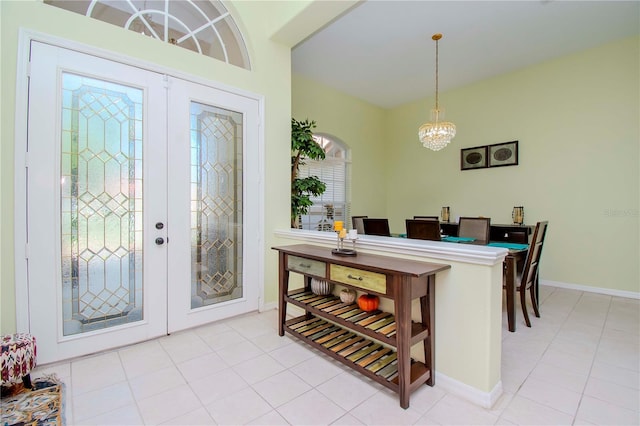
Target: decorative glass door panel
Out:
[214,210]
[101,204]
[216,216]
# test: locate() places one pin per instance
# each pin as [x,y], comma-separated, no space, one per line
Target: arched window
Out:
[334,204]
[203,26]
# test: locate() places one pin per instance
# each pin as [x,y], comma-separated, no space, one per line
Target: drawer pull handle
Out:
[354,278]
[304,265]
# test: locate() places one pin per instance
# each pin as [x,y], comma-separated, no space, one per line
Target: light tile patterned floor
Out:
[578,364]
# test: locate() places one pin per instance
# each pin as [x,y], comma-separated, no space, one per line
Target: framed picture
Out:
[473,158]
[503,154]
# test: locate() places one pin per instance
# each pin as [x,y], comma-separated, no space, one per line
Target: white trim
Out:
[474,395]
[25,37]
[592,289]
[20,183]
[261,201]
[265,307]
[467,253]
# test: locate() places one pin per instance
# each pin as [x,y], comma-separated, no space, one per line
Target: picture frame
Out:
[473,158]
[503,154]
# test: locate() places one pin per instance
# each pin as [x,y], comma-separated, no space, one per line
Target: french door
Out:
[139,192]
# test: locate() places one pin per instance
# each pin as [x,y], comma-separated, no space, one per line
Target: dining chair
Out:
[528,280]
[423,229]
[427,217]
[475,227]
[376,226]
[356,223]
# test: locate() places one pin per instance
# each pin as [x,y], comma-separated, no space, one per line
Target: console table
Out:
[376,344]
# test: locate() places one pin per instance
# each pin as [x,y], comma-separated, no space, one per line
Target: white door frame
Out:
[25,37]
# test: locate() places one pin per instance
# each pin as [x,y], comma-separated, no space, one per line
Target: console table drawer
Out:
[365,280]
[307,266]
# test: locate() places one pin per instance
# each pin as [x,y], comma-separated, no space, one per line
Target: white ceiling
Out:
[382,52]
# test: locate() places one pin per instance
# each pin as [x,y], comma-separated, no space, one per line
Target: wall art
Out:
[473,158]
[503,154]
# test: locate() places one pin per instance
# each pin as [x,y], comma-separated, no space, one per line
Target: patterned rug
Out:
[39,407]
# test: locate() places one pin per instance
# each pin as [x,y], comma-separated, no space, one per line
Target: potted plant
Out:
[303,147]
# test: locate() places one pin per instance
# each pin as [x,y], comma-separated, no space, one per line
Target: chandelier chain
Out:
[436,39]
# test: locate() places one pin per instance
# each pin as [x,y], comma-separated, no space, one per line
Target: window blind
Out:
[333,173]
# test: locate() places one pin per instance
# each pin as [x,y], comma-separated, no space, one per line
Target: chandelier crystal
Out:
[436,134]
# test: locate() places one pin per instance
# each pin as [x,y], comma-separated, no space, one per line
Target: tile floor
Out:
[578,364]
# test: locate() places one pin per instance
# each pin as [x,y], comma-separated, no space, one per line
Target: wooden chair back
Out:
[376,226]
[530,271]
[423,229]
[427,217]
[357,224]
[529,278]
[475,227]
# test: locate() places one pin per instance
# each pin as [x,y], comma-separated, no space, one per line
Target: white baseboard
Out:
[476,396]
[590,289]
[267,306]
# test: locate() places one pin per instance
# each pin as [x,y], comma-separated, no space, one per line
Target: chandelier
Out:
[436,134]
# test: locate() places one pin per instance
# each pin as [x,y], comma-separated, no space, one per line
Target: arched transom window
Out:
[203,26]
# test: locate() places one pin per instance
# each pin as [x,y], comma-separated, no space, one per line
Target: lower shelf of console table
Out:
[364,355]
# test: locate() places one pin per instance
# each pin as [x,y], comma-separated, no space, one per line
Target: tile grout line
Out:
[517,391]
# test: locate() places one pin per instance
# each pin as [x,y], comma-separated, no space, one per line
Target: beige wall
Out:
[270,77]
[577,122]
[359,125]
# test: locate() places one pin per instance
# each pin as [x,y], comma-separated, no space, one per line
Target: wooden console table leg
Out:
[403,339]
[428,313]
[283,288]
[307,286]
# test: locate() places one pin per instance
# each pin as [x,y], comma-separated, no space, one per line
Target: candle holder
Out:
[445,214]
[340,250]
[518,215]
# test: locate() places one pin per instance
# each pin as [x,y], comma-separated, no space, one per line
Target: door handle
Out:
[159,241]
[159,225]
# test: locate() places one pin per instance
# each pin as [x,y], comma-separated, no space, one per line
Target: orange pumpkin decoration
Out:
[368,302]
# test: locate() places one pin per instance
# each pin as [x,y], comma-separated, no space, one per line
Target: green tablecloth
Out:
[458,239]
[512,246]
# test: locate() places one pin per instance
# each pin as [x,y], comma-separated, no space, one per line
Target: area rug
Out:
[41,406]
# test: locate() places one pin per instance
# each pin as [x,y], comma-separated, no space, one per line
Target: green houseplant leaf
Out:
[302,189]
